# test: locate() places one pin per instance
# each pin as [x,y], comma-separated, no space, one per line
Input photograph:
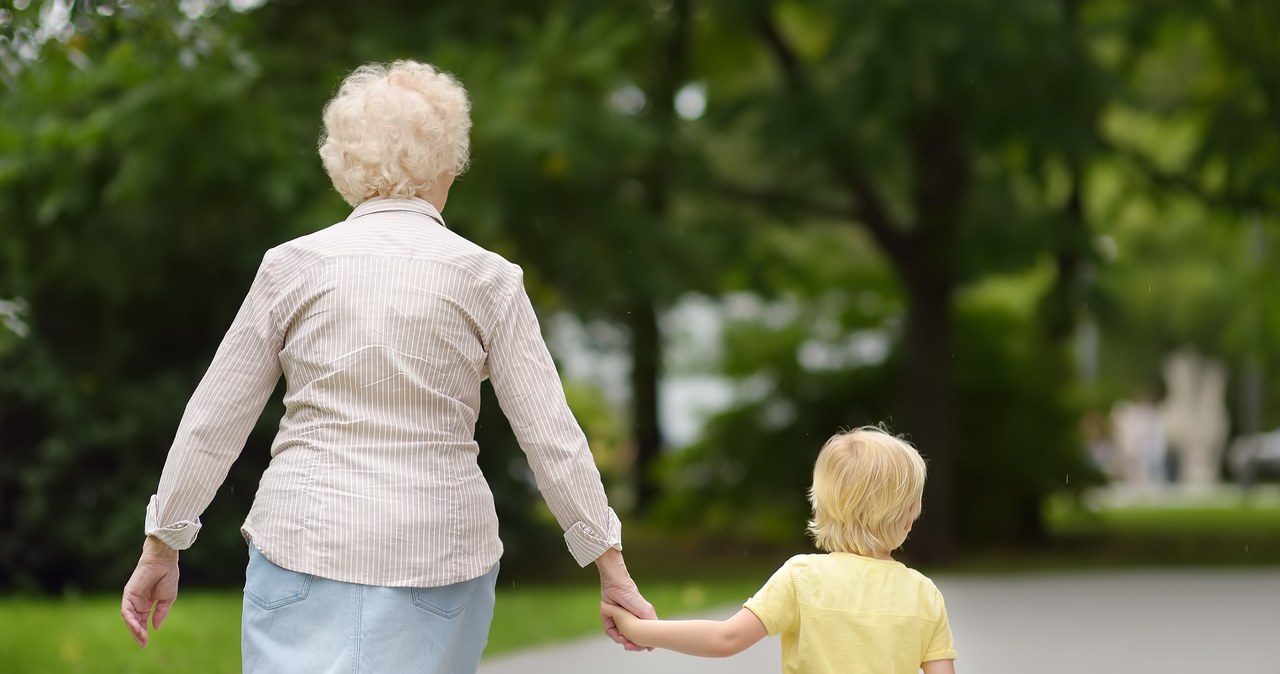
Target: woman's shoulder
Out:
[320,243]
[437,245]
[481,263]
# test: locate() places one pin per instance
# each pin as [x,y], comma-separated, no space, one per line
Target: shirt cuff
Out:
[587,544]
[179,535]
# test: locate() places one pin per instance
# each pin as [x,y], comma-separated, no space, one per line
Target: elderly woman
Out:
[373,540]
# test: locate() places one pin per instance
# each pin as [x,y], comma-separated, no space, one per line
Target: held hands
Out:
[622,619]
[154,583]
[622,602]
[619,591]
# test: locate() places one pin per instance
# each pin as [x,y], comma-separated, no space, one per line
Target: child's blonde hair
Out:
[867,486]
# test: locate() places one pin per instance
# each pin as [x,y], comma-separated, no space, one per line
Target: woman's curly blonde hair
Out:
[392,129]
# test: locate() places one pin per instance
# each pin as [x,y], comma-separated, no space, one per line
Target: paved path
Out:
[1170,622]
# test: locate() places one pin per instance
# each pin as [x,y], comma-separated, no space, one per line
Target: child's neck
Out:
[885,556]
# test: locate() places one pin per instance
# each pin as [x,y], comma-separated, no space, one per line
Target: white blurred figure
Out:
[1195,415]
[1139,437]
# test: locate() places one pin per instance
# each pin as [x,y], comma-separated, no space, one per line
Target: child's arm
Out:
[707,638]
[939,667]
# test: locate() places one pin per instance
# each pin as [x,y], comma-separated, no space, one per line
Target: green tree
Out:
[146,170]
[1189,193]
[939,128]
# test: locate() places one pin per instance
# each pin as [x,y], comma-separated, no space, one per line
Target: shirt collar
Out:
[410,205]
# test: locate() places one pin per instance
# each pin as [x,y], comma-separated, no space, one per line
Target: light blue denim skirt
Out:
[296,622]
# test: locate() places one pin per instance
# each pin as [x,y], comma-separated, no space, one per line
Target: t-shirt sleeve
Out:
[775,604]
[940,646]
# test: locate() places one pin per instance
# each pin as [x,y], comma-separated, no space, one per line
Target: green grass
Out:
[86,635]
[1228,534]
[1243,519]
[203,633]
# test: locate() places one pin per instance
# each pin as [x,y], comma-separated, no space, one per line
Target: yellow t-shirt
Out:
[846,613]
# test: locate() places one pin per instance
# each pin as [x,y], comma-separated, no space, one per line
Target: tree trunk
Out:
[926,408]
[1058,316]
[1070,247]
[646,373]
[941,167]
[646,341]
[1031,530]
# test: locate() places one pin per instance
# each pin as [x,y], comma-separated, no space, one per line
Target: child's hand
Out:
[621,617]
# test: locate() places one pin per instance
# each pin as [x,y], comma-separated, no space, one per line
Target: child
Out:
[854,609]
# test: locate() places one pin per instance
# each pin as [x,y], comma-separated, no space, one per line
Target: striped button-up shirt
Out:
[384,327]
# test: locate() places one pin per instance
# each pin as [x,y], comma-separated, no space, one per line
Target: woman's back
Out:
[387,327]
[386,319]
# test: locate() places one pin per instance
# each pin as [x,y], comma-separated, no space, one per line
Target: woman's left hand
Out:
[154,584]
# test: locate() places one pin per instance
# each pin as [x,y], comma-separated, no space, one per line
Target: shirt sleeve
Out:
[775,604]
[940,646]
[532,398]
[219,416]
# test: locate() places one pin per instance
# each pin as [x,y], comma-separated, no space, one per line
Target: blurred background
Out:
[1038,237]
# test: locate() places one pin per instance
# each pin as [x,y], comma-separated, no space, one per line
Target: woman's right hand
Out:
[154,584]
